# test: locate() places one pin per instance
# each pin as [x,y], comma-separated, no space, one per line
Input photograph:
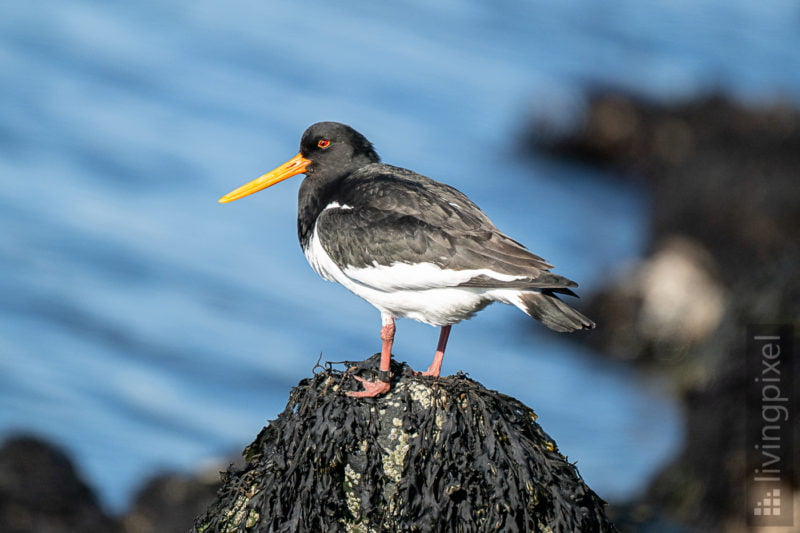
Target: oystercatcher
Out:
[409,245]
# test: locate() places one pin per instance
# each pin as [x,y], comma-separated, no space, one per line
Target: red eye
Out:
[323,143]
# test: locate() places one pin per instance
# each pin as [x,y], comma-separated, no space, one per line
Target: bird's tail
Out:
[546,307]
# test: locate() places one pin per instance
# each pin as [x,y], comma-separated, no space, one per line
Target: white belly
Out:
[419,291]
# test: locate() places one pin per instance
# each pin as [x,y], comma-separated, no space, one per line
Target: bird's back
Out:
[398,216]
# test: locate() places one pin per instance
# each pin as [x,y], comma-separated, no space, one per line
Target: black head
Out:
[335,149]
[328,151]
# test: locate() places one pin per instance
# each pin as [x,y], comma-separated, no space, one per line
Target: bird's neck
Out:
[322,182]
[311,201]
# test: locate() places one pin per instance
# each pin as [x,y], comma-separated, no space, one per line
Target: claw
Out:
[371,388]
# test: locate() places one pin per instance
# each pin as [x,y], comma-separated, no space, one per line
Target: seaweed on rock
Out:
[431,455]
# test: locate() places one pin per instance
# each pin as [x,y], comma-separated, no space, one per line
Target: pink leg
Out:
[436,366]
[376,388]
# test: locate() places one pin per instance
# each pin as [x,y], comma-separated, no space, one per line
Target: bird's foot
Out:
[371,388]
[434,371]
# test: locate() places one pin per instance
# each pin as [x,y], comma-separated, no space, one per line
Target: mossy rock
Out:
[441,454]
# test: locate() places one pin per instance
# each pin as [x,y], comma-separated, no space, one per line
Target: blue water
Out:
[144,326]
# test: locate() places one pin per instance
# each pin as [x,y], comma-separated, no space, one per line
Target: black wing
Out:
[390,215]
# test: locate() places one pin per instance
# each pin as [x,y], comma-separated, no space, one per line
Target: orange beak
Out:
[294,166]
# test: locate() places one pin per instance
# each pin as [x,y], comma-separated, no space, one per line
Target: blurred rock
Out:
[725,227]
[662,306]
[720,173]
[40,492]
[724,253]
[681,299]
[170,502]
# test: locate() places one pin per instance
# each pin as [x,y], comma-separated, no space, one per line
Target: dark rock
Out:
[724,253]
[41,492]
[431,455]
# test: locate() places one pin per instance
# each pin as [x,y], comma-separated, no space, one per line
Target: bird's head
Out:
[328,150]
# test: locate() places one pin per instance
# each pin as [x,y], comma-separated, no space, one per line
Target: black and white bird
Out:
[409,245]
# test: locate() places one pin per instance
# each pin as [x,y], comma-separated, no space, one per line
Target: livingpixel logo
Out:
[770,404]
